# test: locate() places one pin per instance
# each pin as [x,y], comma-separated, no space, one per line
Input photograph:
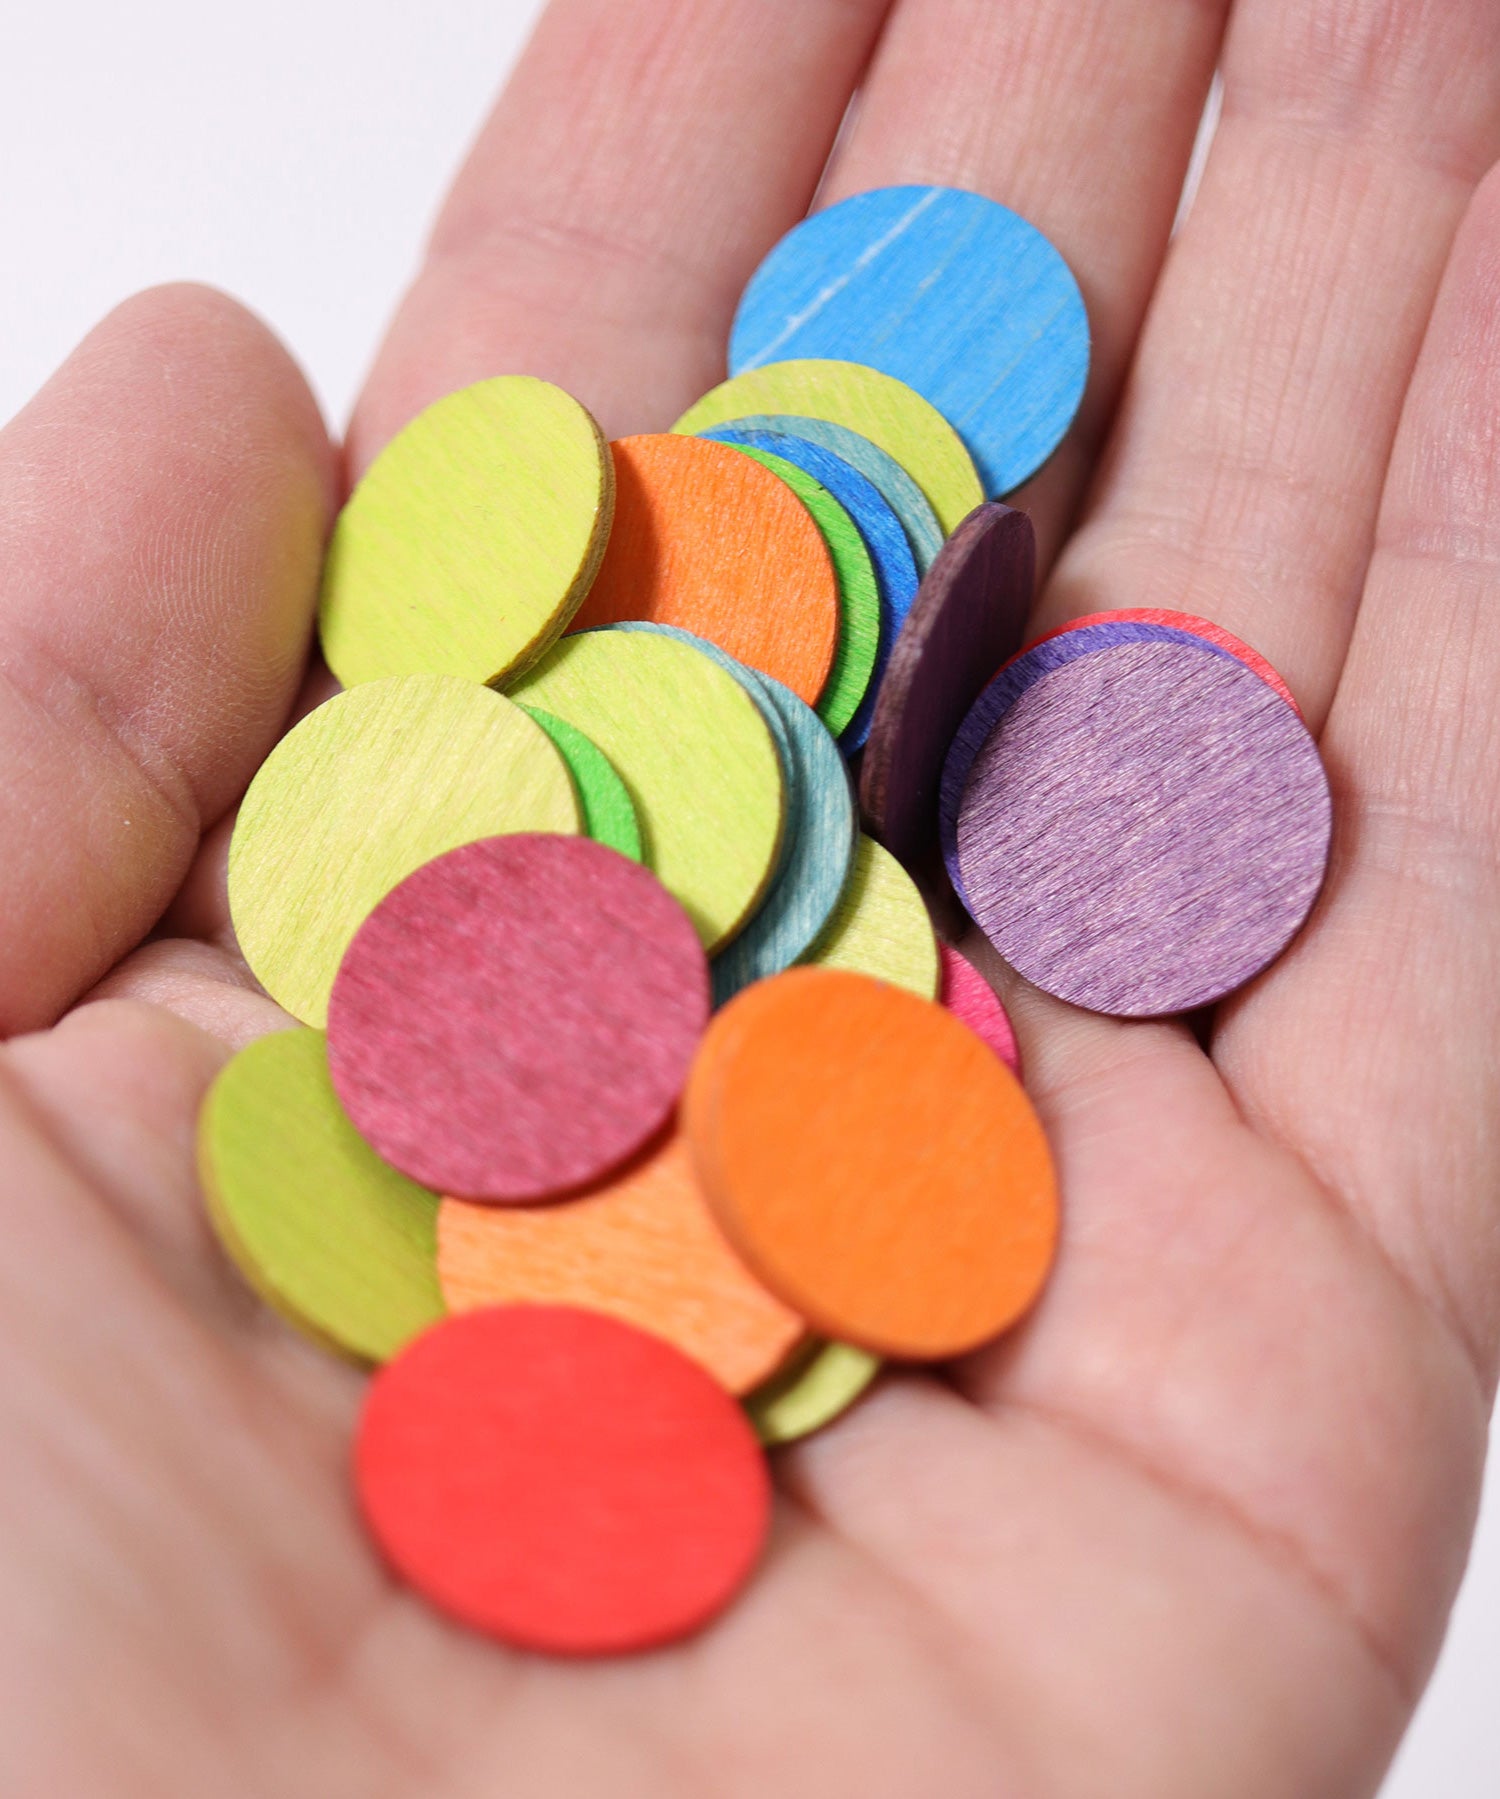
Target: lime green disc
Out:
[880,926]
[815,1390]
[608,813]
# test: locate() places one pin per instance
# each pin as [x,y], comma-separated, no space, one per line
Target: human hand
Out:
[1193,1530]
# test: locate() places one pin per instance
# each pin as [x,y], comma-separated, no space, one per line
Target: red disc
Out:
[517,1017]
[969,996]
[561,1480]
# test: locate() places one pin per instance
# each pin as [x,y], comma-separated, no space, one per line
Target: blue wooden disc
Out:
[890,553]
[953,294]
[822,830]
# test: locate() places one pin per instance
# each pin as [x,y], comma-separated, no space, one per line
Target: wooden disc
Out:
[724,551]
[516,1018]
[888,412]
[603,798]
[967,618]
[880,926]
[561,1481]
[816,1389]
[363,790]
[645,1249]
[923,532]
[874,1163]
[970,998]
[954,294]
[695,753]
[1146,828]
[339,1243]
[1182,621]
[471,538]
[859,590]
[818,860]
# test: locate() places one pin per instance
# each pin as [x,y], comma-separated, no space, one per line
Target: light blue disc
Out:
[879,468]
[822,829]
[890,553]
[953,294]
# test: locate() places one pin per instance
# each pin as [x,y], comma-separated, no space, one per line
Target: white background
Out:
[292,153]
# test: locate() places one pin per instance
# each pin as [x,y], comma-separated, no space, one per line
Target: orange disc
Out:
[873,1161]
[709,540]
[645,1249]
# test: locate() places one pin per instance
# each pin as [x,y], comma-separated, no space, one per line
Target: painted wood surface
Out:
[880,926]
[608,813]
[815,1391]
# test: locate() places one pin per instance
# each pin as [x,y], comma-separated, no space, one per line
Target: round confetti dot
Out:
[967,618]
[695,753]
[970,998]
[873,1162]
[516,1018]
[1145,829]
[952,293]
[471,539]
[1183,621]
[815,1390]
[996,699]
[644,1249]
[603,798]
[924,534]
[886,411]
[880,926]
[337,1242]
[365,789]
[819,859]
[561,1481]
[724,551]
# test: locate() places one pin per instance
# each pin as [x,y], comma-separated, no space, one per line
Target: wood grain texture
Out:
[724,551]
[362,791]
[1145,829]
[924,535]
[644,1248]
[818,862]
[880,926]
[952,293]
[886,411]
[695,754]
[968,616]
[338,1242]
[471,539]
[561,1481]
[874,1163]
[517,1017]
[891,560]
[603,799]
[818,1388]
[1014,677]
[974,1002]
[858,591]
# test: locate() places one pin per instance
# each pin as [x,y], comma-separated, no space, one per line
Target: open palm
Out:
[1193,1530]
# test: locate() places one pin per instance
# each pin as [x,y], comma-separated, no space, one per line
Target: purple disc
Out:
[1145,829]
[1002,693]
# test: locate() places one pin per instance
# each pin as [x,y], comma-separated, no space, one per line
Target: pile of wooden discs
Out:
[636,1113]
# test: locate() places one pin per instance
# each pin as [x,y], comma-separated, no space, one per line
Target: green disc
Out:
[608,811]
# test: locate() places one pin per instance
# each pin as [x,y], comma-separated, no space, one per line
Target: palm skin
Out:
[1195,1528]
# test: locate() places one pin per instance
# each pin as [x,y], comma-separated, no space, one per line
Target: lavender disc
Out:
[1145,828]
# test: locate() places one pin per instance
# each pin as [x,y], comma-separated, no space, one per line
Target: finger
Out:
[641,161]
[1080,114]
[1245,467]
[163,502]
[1372,1049]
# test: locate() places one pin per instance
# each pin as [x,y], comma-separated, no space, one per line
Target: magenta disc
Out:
[517,1017]
[1144,829]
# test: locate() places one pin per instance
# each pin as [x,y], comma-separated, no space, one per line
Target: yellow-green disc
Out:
[880,926]
[694,753]
[337,1241]
[472,538]
[363,791]
[608,813]
[814,1391]
[886,411]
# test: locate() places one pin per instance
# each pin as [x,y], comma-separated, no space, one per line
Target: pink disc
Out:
[517,1017]
[969,997]
[561,1480]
